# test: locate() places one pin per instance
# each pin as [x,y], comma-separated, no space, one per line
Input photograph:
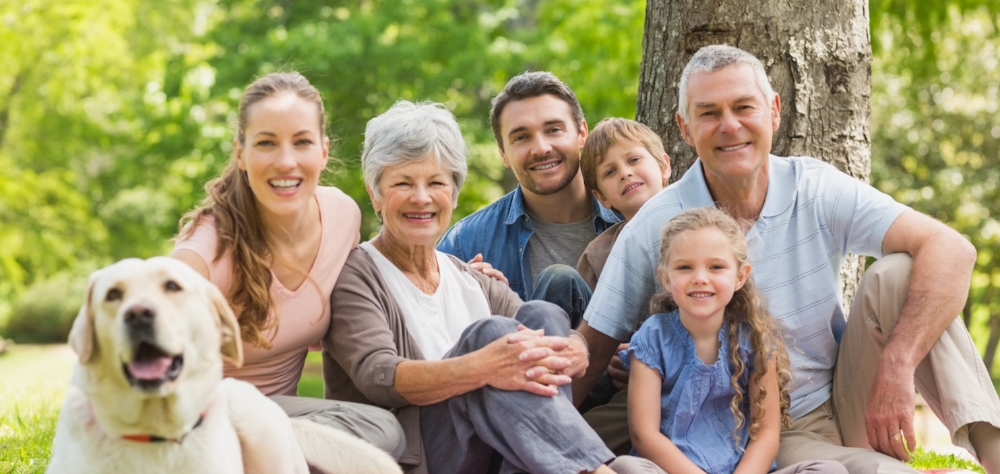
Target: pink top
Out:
[304,313]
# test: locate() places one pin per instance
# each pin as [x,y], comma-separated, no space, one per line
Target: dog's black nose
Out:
[140,314]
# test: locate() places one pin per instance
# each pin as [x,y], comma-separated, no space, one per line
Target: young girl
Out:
[707,390]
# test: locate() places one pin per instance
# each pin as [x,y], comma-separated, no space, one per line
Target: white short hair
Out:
[408,133]
[715,57]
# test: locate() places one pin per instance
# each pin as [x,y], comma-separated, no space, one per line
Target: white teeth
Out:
[731,148]
[631,187]
[285,183]
[700,295]
[545,167]
[418,216]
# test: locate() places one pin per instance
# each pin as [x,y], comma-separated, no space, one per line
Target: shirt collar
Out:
[693,189]
[599,212]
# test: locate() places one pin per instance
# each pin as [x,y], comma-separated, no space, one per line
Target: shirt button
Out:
[381,376]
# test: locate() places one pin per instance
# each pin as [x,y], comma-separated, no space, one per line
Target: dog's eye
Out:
[114,294]
[171,285]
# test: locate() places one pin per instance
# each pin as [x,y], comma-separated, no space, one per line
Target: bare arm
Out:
[193,260]
[760,452]
[939,285]
[644,422]
[602,347]
[504,363]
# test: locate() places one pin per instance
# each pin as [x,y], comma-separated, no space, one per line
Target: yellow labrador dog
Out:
[148,395]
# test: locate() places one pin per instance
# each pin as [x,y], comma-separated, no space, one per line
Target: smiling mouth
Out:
[420,216]
[152,367]
[734,147]
[701,295]
[544,167]
[285,184]
[631,187]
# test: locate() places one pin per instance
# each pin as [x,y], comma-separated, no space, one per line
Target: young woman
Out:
[274,242]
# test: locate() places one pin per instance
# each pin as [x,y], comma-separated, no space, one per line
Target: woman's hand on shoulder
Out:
[486,268]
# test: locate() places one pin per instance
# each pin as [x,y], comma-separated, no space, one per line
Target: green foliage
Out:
[936,140]
[926,460]
[45,312]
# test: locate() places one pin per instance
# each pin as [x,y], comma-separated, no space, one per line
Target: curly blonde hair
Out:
[746,309]
[232,204]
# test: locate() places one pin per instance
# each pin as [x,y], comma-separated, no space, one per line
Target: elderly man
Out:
[853,379]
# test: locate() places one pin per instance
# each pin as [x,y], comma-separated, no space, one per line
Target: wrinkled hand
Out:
[527,360]
[616,369]
[486,268]
[889,412]
[574,351]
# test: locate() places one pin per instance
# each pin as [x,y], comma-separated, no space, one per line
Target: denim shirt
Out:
[694,412]
[500,232]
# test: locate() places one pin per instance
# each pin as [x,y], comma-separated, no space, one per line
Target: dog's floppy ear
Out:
[229,327]
[82,338]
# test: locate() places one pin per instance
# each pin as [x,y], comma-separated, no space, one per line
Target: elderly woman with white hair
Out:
[415,330]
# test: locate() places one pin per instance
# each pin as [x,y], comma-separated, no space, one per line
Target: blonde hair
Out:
[232,204]
[616,130]
[746,309]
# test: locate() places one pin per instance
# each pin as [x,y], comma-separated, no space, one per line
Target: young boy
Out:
[623,164]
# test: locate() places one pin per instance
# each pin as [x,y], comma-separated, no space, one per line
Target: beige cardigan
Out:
[368,339]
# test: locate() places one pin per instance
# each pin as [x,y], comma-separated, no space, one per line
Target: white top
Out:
[434,321]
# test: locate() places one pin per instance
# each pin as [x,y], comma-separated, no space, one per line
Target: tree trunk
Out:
[817,55]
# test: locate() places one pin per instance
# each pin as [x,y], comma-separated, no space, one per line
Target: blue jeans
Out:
[541,435]
[562,286]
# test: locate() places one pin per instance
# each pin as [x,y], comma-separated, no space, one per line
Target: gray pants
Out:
[541,435]
[951,378]
[370,423]
[635,465]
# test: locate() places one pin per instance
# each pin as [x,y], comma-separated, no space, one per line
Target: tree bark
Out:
[817,55]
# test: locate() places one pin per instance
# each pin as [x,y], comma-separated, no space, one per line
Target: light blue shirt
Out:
[694,398]
[813,216]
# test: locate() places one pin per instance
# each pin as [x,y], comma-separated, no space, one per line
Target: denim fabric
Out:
[562,286]
[500,232]
[695,413]
[532,433]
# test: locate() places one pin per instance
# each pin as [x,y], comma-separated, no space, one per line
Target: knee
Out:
[539,314]
[387,433]
[560,276]
[487,330]
[891,272]
[821,467]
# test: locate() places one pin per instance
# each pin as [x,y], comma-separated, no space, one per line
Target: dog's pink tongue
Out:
[150,369]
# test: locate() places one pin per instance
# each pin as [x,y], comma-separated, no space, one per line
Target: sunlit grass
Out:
[922,460]
[33,381]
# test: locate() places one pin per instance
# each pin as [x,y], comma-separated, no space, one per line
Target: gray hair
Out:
[408,133]
[715,57]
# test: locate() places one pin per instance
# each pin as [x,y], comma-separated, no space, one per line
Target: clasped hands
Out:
[531,361]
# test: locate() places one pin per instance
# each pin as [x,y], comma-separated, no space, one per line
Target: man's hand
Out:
[486,268]
[616,369]
[889,412]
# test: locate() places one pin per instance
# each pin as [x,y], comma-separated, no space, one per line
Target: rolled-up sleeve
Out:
[362,338]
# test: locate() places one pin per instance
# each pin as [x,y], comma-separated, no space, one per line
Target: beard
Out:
[572,167]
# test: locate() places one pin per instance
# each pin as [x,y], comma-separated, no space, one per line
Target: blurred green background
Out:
[114,113]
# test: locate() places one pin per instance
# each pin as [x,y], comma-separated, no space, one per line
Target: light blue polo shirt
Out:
[813,216]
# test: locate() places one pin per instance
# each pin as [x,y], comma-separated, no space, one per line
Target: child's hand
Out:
[616,369]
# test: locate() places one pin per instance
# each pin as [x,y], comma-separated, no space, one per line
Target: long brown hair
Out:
[232,204]
[746,309]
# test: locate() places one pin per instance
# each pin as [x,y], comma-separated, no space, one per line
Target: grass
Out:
[33,381]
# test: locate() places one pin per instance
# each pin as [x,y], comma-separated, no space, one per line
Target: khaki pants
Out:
[952,379]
